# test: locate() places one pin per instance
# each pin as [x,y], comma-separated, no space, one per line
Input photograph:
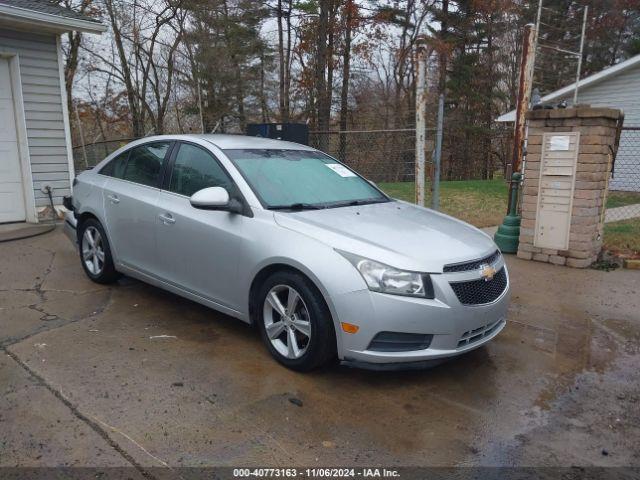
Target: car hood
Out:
[396,233]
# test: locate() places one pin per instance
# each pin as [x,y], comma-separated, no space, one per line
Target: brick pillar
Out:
[597,129]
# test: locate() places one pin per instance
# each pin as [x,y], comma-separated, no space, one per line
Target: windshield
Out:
[300,179]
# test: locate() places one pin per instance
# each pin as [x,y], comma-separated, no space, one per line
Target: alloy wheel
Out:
[287,321]
[93,250]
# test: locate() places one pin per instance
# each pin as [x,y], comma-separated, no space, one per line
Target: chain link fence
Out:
[379,155]
[89,155]
[622,214]
[389,155]
[623,201]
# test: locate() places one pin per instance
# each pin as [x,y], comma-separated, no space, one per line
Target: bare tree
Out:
[146,37]
[71,48]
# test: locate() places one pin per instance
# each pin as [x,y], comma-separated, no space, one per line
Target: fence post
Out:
[435,198]
[80,131]
[584,26]
[421,120]
[200,105]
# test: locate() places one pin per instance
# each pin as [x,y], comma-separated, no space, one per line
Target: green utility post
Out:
[508,234]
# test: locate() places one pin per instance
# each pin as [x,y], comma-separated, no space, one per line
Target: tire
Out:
[103,271]
[313,350]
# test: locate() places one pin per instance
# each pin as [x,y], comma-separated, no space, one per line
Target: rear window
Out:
[115,168]
[145,163]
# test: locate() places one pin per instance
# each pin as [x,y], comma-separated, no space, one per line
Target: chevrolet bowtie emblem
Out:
[487,272]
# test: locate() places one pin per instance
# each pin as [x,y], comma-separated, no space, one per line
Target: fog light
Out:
[349,327]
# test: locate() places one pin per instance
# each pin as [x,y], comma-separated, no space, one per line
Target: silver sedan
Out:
[287,238]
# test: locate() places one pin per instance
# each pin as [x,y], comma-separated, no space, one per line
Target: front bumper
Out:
[456,328]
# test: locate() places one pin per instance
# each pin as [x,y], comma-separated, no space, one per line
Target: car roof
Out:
[228,142]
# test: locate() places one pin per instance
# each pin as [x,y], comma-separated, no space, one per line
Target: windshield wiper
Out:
[354,203]
[297,206]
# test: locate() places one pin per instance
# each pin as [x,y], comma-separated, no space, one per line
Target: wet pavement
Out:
[132,375]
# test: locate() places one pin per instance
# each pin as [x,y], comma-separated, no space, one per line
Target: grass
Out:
[620,199]
[623,236]
[482,203]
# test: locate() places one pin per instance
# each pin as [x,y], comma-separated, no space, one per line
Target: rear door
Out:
[130,203]
[198,250]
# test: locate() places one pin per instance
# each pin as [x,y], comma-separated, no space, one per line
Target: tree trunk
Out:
[242,119]
[442,57]
[287,71]
[488,104]
[281,61]
[137,116]
[321,83]
[264,110]
[330,49]
[346,67]
[71,66]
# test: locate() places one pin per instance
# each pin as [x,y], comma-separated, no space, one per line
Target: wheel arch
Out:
[265,272]
[90,214]
[83,217]
[278,266]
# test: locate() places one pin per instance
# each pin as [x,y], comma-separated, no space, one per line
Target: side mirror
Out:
[212,198]
[216,198]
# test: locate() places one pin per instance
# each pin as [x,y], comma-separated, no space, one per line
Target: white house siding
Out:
[620,91]
[43,110]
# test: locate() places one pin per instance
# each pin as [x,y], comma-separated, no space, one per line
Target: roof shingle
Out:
[51,8]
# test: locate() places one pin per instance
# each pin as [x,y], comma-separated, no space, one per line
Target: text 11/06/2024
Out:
[315,473]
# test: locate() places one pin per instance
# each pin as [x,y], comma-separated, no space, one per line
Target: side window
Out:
[195,169]
[115,168]
[145,163]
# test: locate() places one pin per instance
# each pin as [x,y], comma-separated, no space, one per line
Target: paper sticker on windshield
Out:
[340,170]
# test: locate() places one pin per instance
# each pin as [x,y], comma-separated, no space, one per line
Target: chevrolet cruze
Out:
[284,237]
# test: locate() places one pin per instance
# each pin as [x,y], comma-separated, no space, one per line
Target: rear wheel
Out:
[295,322]
[95,253]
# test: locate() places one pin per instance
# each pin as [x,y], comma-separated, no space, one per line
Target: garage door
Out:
[12,205]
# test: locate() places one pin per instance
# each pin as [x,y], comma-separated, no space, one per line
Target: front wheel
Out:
[295,322]
[95,253]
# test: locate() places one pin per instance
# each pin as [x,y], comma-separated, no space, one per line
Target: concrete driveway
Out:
[131,375]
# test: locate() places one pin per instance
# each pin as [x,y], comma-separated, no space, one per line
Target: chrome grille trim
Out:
[473,264]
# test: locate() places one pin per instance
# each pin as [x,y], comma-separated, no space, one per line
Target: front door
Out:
[198,250]
[12,202]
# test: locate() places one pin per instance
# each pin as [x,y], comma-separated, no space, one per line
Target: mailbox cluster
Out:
[555,190]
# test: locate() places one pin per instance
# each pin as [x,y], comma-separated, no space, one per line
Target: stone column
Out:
[597,128]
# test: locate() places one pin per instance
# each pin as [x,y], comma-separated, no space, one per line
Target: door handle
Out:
[167,218]
[113,199]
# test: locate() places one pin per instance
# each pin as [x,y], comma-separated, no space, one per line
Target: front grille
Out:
[479,292]
[477,334]
[399,342]
[473,265]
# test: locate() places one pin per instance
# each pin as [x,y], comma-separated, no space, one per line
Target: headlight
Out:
[383,278]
